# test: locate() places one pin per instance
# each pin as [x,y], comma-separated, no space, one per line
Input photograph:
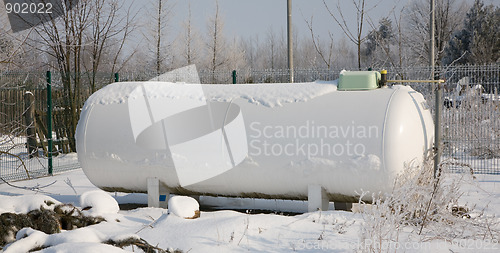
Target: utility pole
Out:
[290,39]
[437,107]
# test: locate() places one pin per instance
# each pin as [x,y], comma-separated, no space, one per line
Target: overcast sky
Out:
[244,18]
[251,18]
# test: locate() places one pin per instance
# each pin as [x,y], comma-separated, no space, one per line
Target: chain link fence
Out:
[470,110]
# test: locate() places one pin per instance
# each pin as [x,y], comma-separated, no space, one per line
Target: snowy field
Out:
[363,230]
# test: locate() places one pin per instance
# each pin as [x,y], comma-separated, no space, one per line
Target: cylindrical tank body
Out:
[252,140]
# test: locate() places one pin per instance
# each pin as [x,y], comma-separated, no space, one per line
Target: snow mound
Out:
[184,207]
[99,202]
[85,240]
[83,247]
[27,239]
[269,95]
[26,203]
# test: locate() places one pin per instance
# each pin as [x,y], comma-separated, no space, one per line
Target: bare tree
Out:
[345,55]
[269,52]
[63,39]
[156,35]
[6,44]
[449,18]
[307,56]
[90,24]
[401,40]
[12,49]
[252,47]
[272,47]
[189,42]
[325,53]
[357,36]
[106,24]
[216,42]
[15,52]
[191,51]
[235,54]
[277,48]
[129,26]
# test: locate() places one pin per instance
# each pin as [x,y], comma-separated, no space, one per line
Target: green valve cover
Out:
[359,80]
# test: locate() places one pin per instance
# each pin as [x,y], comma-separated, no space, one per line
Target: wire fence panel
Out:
[470,110]
[471,118]
[470,113]
[16,164]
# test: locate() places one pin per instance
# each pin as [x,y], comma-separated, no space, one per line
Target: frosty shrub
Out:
[422,209]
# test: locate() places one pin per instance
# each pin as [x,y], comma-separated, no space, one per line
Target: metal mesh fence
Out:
[17,164]
[470,123]
[470,113]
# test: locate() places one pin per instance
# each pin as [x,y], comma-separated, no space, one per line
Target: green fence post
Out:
[117,77]
[49,121]
[234,76]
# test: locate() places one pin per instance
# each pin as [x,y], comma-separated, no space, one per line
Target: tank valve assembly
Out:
[383,78]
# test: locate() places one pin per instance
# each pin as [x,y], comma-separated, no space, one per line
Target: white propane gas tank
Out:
[253,140]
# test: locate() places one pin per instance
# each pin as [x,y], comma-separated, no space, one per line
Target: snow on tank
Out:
[253,140]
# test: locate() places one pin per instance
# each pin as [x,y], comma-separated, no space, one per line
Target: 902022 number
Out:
[29,8]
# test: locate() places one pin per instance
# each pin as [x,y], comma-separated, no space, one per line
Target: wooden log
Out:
[60,133]
[41,130]
[29,121]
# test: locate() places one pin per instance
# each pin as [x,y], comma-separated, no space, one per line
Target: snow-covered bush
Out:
[98,202]
[422,208]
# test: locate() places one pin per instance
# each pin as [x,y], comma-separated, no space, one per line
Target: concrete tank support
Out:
[342,206]
[157,195]
[316,198]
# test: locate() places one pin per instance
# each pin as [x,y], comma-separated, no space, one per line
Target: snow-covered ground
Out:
[228,230]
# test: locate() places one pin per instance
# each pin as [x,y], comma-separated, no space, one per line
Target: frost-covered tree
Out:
[13,49]
[325,50]
[189,41]
[106,23]
[159,40]
[5,43]
[479,40]
[253,52]
[358,37]
[216,41]
[221,54]
[235,54]
[6,46]
[272,48]
[378,44]
[64,43]
[449,18]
